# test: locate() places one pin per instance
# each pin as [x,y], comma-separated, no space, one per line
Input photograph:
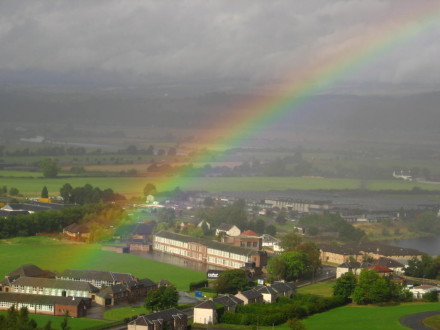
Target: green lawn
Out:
[118,314]
[321,289]
[74,323]
[134,186]
[51,254]
[433,322]
[366,317]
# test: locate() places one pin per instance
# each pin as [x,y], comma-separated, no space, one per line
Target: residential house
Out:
[228,229]
[171,319]
[381,270]
[205,313]
[269,294]
[77,232]
[419,291]
[284,289]
[353,267]
[271,242]
[248,239]
[250,297]
[230,302]
[395,266]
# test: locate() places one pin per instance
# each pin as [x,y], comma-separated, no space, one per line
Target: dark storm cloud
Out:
[188,42]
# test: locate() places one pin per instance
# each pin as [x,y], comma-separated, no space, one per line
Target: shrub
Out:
[197,285]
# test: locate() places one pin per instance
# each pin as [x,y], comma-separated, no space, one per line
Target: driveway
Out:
[415,321]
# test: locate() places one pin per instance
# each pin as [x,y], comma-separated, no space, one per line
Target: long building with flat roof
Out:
[207,251]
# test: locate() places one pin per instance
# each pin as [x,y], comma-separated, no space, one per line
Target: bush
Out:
[431,296]
[197,285]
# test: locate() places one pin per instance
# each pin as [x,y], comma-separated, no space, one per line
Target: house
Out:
[205,313]
[338,254]
[77,232]
[353,267]
[29,270]
[395,266]
[248,239]
[171,319]
[250,297]
[419,291]
[228,229]
[200,224]
[126,291]
[42,304]
[143,230]
[271,242]
[207,251]
[284,289]
[229,301]
[98,278]
[269,294]
[381,270]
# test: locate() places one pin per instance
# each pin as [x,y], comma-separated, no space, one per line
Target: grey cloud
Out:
[194,41]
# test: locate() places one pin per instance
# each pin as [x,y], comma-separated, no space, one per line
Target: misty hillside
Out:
[349,116]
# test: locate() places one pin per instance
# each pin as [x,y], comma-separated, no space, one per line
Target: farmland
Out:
[133,186]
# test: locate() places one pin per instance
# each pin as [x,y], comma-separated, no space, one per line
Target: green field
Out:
[433,322]
[48,253]
[368,317]
[118,314]
[321,289]
[134,186]
[73,323]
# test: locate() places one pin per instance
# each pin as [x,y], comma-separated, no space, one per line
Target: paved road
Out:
[415,321]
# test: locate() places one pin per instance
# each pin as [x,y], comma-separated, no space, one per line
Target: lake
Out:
[429,245]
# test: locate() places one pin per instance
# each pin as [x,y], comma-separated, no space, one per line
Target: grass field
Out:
[73,323]
[118,314]
[51,254]
[368,317]
[134,186]
[321,289]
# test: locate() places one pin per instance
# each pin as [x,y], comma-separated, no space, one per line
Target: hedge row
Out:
[278,313]
[197,285]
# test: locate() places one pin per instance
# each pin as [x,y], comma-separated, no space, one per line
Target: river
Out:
[429,245]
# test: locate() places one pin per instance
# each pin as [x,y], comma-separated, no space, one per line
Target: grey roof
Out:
[39,299]
[266,289]
[354,264]
[113,289]
[55,284]
[144,228]
[146,282]
[225,226]
[207,304]
[282,287]
[77,228]
[228,300]
[251,294]
[28,270]
[208,243]
[100,275]
[166,315]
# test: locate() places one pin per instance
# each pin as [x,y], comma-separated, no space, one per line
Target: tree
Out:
[289,265]
[290,241]
[150,189]
[66,193]
[232,281]
[271,230]
[14,191]
[295,324]
[345,285]
[49,167]
[313,255]
[44,192]
[166,215]
[163,297]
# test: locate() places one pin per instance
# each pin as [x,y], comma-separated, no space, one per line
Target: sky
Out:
[215,45]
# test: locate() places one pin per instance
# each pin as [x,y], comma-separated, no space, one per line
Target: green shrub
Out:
[197,285]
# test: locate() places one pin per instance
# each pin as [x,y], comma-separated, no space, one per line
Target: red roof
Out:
[380,269]
[249,233]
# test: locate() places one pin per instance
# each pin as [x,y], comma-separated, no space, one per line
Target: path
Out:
[415,321]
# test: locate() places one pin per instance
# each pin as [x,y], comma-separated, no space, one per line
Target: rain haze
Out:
[309,125]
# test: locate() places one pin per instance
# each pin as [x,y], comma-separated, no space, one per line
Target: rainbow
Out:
[358,52]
